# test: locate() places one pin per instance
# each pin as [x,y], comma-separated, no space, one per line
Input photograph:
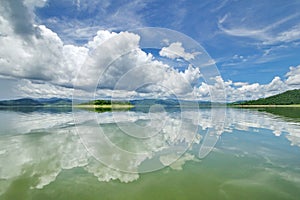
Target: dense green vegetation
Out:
[287,98]
[101,102]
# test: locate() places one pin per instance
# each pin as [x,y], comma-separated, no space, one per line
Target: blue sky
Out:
[250,41]
[240,35]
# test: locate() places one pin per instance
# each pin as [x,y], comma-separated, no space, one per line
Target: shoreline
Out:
[69,106]
[132,106]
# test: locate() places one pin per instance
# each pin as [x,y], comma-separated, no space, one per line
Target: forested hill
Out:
[285,98]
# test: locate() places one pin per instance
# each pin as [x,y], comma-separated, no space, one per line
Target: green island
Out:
[105,105]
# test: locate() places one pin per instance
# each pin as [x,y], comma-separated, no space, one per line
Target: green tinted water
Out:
[248,162]
[218,177]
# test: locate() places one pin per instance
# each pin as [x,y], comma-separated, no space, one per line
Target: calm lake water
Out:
[162,154]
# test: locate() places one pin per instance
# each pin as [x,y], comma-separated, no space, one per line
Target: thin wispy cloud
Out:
[264,34]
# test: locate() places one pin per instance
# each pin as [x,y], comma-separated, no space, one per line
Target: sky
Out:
[254,45]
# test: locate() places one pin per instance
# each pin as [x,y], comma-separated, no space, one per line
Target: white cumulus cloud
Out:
[293,76]
[176,50]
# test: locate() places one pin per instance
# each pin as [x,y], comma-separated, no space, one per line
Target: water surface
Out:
[46,154]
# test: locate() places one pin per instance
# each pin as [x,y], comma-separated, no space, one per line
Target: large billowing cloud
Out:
[32,51]
[176,50]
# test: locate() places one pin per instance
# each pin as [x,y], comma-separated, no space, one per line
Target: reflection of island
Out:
[104,108]
[290,113]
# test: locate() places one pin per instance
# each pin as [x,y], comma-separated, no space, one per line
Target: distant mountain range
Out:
[289,97]
[37,102]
